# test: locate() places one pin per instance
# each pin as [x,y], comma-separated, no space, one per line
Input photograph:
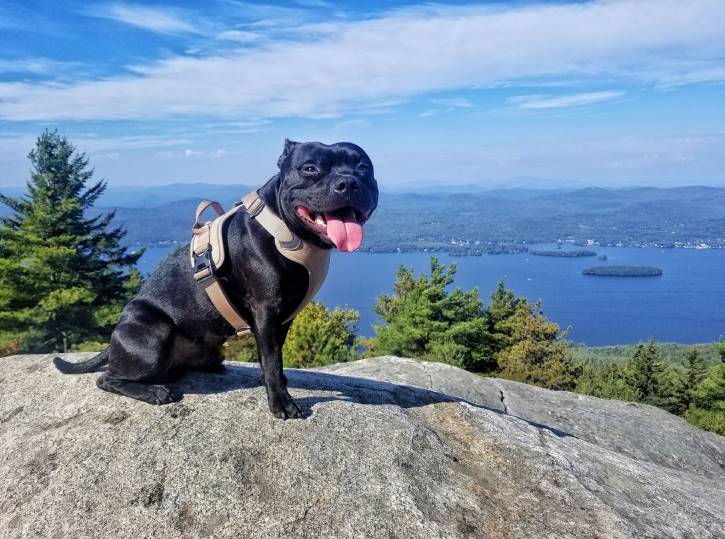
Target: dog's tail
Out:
[89,365]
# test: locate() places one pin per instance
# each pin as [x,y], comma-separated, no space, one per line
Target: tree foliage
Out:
[605,382]
[720,347]
[535,352]
[423,319]
[643,373]
[320,337]
[707,409]
[695,373]
[64,278]
[509,338]
[317,337]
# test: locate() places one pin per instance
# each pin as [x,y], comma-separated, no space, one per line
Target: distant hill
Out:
[157,195]
[143,196]
[641,216]
[666,217]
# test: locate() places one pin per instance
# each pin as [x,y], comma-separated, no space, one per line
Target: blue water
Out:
[686,304]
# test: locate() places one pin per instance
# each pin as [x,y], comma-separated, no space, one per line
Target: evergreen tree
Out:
[502,307]
[422,319]
[695,372]
[707,409]
[317,337]
[64,276]
[605,382]
[536,354]
[644,374]
[320,337]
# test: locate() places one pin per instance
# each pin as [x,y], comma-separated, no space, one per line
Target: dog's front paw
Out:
[283,406]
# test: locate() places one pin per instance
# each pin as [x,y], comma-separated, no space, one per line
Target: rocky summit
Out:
[390,447]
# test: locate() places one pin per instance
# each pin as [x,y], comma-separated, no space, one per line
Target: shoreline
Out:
[523,248]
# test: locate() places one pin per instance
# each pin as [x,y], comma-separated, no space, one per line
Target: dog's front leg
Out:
[270,338]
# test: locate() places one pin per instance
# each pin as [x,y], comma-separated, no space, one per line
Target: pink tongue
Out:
[344,230]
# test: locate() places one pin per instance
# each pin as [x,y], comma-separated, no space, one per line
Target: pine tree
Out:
[605,381]
[707,409]
[320,337]
[695,372]
[644,373]
[536,353]
[317,337]
[64,276]
[503,306]
[422,319]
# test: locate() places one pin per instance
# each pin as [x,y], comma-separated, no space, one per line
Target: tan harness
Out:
[208,250]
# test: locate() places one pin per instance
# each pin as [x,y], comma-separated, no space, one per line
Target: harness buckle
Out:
[203,269]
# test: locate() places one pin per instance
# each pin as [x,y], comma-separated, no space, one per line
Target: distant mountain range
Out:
[457,218]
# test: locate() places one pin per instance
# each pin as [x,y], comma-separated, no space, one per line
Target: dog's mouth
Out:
[342,227]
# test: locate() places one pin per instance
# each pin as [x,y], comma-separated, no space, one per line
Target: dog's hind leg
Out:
[202,354]
[140,354]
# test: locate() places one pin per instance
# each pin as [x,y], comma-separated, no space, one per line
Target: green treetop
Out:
[317,337]
[695,372]
[535,352]
[64,276]
[707,409]
[645,374]
[422,319]
[320,337]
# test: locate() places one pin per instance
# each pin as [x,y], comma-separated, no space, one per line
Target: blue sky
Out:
[613,92]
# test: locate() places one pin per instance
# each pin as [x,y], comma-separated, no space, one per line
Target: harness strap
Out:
[208,253]
[203,264]
[220,300]
[314,259]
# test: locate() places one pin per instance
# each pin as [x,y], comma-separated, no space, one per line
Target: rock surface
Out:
[635,430]
[373,459]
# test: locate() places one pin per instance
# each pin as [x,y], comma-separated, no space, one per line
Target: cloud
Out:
[453,102]
[201,153]
[562,101]
[356,65]
[36,66]
[240,36]
[153,19]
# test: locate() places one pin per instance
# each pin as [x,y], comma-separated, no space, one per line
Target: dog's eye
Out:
[362,167]
[309,169]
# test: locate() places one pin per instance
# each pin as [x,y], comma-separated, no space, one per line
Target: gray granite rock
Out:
[373,459]
[635,430]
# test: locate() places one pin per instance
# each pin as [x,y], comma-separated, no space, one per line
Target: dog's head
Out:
[327,192]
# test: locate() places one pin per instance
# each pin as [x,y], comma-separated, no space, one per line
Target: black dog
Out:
[171,325]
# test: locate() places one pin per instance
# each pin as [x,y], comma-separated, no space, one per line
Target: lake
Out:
[686,304]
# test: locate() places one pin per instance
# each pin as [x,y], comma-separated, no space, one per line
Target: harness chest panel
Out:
[208,253]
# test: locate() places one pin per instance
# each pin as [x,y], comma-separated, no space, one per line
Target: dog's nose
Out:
[344,185]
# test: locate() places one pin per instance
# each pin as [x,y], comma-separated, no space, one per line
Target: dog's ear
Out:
[289,146]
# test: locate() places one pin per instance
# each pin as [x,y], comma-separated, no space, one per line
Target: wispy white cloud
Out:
[562,101]
[154,19]
[219,152]
[453,102]
[361,64]
[14,144]
[36,66]
[240,36]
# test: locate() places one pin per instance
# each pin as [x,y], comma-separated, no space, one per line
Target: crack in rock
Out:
[503,401]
